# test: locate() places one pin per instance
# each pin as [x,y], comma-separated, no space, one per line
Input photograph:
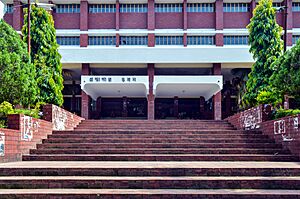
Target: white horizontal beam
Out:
[161,54]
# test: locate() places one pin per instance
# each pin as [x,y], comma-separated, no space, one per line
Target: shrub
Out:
[286,112]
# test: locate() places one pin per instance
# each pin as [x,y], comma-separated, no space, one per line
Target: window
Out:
[137,8]
[296,7]
[68,41]
[134,40]
[67,8]
[9,8]
[169,40]
[102,40]
[102,8]
[236,40]
[200,40]
[295,38]
[236,7]
[200,7]
[175,7]
[276,5]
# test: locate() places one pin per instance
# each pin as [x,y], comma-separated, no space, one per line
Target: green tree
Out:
[266,46]
[45,55]
[17,74]
[286,75]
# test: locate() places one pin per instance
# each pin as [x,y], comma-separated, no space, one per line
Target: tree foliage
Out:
[17,74]
[286,75]
[45,55]
[265,45]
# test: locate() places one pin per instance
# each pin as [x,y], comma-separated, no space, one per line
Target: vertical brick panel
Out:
[117,15]
[85,100]
[84,15]
[217,100]
[185,18]
[17,15]
[84,40]
[150,97]
[151,15]
[219,22]
[151,40]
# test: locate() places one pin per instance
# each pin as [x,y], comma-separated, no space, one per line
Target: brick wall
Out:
[285,131]
[60,118]
[23,134]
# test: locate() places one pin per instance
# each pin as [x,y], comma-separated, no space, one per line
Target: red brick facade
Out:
[284,131]
[25,132]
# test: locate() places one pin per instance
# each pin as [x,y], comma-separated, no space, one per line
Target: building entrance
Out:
[125,108]
[182,108]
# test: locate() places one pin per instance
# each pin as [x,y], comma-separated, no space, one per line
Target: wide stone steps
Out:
[156,145]
[183,139]
[159,157]
[153,159]
[160,151]
[152,193]
[146,182]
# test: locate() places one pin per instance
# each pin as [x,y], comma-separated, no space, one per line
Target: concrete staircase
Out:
[153,159]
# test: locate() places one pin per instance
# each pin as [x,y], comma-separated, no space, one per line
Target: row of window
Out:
[159,40]
[9,8]
[143,8]
[68,8]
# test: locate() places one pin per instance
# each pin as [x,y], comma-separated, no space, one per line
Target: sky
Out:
[1,10]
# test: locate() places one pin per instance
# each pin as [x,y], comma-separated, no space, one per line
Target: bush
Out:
[286,112]
[5,109]
[269,97]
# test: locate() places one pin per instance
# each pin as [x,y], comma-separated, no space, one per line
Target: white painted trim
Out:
[162,54]
[187,86]
[116,87]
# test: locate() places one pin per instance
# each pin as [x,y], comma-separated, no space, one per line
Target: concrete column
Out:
[84,38]
[117,15]
[202,107]
[151,22]
[151,40]
[217,99]
[252,6]
[176,107]
[185,39]
[185,18]
[124,108]
[85,99]
[289,12]
[117,40]
[17,15]
[84,15]
[219,22]
[151,15]
[151,111]
[98,106]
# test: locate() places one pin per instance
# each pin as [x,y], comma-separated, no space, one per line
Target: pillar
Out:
[185,22]
[98,106]
[202,107]
[289,16]
[151,23]
[124,108]
[217,98]
[176,107]
[117,15]
[150,96]
[84,11]
[17,15]
[85,99]
[219,22]
[252,6]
